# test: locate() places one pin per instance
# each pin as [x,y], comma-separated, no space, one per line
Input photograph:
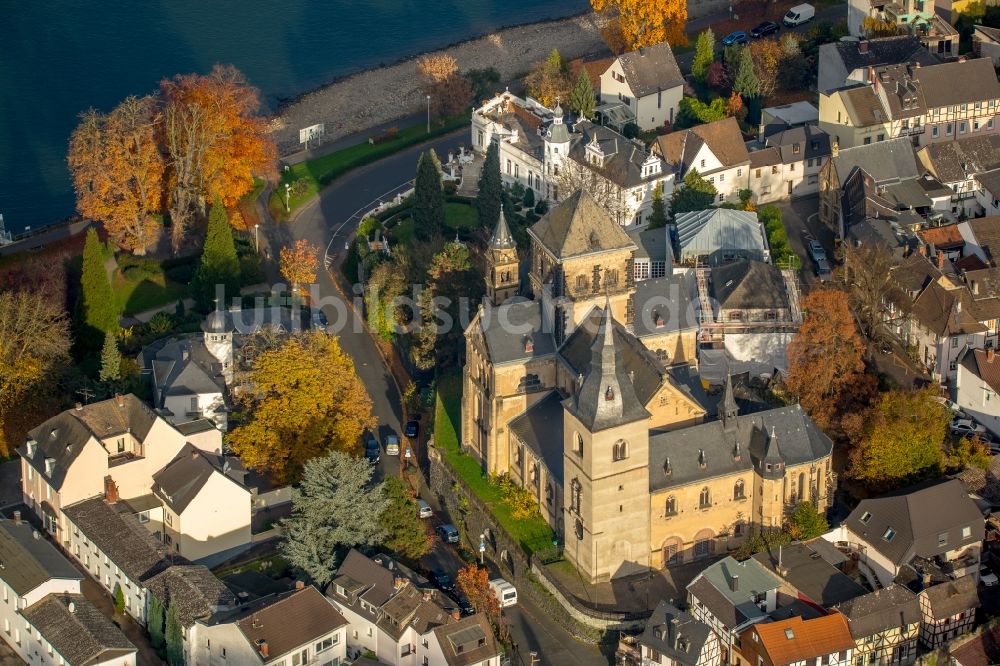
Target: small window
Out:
[966,532]
[703,164]
[943,539]
[865,517]
[889,534]
[789,634]
[620,450]
[704,499]
[670,508]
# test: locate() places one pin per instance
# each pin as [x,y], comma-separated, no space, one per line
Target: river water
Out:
[59,57]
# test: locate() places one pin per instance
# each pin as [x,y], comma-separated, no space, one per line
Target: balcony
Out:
[628,652]
[912,130]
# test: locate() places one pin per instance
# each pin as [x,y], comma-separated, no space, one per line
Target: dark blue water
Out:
[58,57]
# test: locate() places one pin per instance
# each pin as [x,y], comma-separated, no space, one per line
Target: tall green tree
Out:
[806,522]
[336,506]
[111,360]
[697,194]
[490,196]
[746,84]
[404,530]
[658,216]
[156,623]
[174,638]
[219,263]
[704,54]
[428,197]
[98,308]
[581,98]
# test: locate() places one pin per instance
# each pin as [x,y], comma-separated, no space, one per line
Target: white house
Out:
[44,618]
[976,387]
[647,82]
[676,638]
[715,149]
[788,166]
[294,628]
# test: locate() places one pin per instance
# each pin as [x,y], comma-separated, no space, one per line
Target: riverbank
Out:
[370,98]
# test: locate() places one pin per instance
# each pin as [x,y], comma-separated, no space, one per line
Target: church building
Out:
[587,394]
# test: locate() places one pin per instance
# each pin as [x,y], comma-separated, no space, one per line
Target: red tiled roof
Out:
[795,639]
[944,238]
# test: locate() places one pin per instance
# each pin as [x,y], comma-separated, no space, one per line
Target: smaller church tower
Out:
[217,332]
[557,142]
[502,278]
[771,471]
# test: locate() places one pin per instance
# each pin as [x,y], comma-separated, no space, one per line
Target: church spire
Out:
[728,411]
[502,238]
[773,463]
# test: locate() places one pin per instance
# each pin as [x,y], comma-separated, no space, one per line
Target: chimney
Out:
[863,46]
[194,454]
[79,406]
[428,594]
[71,607]
[456,614]
[940,260]
[990,354]
[300,585]
[398,582]
[110,490]
[17,514]
[263,648]
[734,583]
[922,250]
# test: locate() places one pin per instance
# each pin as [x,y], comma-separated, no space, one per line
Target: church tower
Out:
[557,142]
[217,330]
[502,278]
[771,471]
[606,466]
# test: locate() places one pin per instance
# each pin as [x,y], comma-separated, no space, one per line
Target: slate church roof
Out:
[579,226]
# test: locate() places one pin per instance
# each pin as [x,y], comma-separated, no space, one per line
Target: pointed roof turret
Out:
[558,132]
[773,463]
[502,238]
[607,396]
[728,411]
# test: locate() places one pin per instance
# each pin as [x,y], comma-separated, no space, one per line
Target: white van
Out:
[505,592]
[798,15]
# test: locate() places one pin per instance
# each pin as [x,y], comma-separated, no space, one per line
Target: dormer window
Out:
[889,534]
[50,466]
[32,446]
[865,517]
[529,345]
[609,394]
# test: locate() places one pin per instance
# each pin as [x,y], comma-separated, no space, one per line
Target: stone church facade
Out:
[571,394]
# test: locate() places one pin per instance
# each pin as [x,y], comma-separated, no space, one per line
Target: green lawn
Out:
[321,171]
[533,534]
[460,216]
[149,291]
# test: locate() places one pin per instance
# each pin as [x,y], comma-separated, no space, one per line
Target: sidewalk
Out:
[350,139]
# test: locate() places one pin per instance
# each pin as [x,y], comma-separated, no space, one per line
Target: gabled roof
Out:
[723,138]
[540,428]
[863,106]
[707,231]
[958,82]
[984,649]
[946,311]
[881,610]
[918,517]
[800,143]
[881,51]
[622,159]
[945,237]
[952,597]
[519,314]
[467,641]
[886,161]
[794,640]
[28,559]
[286,621]
[748,284]
[651,69]
[986,231]
[185,367]
[192,590]
[675,634]
[992,34]
[714,587]
[954,161]
[77,630]
[578,226]
[804,567]
[365,577]
[180,481]
[982,365]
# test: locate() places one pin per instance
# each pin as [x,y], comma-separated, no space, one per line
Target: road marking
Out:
[368,206]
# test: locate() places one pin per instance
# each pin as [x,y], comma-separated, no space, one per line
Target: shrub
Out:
[631,130]
[183,273]
[251,271]
[542,207]
[529,198]
[161,324]
[138,273]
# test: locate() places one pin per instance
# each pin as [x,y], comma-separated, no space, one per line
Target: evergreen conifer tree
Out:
[658,216]
[219,263]
[428,197]
[490,196]
[581,99]
[155,623]
[746,84]
[111,359]
[704,55]
[175,645]
[119,599]
[98,309]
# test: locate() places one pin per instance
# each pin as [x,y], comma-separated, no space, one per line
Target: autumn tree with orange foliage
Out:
[767,56]
[214,141]
[298,263]
[826,367]
[636,23]
[735,107]
[303,399]
[117,170]
[449,91]
[474,582]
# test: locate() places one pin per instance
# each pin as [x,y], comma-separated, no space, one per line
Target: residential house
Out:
[825,639]
[892,168]
[647,82]
[789,165]
[729,596]
[885,625]
[811,572]
[934,524]
[676,638]
[914,17]
[719,235]
[986,43]
[852,116]
[845,63]
[946,240]
[192,593]
[775,119]
[982,238]
[957,164]
[45,620]
[292,628]
[754,313]
[897,239]
[982,650]
[716,150]
[206,508]
[988,192]
[976,387]
[466,642]
[541,151]
[926,104]
[115,549]
[948,610]
[68,457]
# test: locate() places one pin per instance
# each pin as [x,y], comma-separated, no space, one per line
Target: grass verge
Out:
[532,534]
[146,292]
[308,178]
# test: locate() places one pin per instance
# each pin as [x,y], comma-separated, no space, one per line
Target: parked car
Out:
[424,509]
[799,14]
[951,406]
[442,580]
[391,445]
[737,37]
[412,429]
[764,29]
[987,577]
[319,320]
[448,532]
[967,428]
[372,451]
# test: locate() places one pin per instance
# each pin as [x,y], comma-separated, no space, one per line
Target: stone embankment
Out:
[364,100]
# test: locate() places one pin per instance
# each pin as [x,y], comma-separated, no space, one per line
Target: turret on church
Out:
[502,274]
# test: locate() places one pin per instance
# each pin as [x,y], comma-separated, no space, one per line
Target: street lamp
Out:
[288,194]
[428,114]
[482,548]
[256,243]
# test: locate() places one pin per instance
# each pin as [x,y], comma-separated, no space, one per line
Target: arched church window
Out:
[705,498]
[620,450]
